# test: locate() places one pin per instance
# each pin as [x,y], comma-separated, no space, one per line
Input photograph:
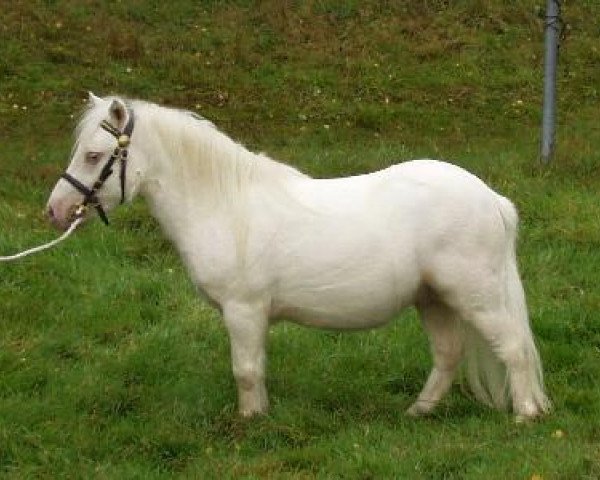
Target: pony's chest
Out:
[209,253]
[223,261]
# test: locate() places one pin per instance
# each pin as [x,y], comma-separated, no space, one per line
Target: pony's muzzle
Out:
[55,218]
[63,219]
[50,213]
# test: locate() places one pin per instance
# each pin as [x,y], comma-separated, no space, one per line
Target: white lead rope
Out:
[70,230]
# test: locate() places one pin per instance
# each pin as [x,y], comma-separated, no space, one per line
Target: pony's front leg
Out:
[247,325]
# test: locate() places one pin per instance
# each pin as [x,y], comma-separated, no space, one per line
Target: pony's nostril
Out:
[50,213]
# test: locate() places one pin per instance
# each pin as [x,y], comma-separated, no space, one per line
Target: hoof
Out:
[524,419]
[418,409]
[252,413]
[528,413]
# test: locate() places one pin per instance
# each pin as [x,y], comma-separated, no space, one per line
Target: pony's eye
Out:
[92,158]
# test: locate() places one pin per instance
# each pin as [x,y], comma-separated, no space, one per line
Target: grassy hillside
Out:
[111,367]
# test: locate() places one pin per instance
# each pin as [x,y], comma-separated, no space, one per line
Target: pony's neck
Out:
[194,168]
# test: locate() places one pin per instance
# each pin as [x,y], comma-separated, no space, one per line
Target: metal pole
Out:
[553,27]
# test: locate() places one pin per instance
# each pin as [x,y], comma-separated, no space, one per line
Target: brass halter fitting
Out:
[80,210]
[77,211]
[123,141]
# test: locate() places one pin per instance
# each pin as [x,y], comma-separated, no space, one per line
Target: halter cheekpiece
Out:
[120,153]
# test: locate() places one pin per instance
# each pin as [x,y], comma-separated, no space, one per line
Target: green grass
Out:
[110,365]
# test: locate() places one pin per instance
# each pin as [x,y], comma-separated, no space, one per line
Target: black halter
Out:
[120,153]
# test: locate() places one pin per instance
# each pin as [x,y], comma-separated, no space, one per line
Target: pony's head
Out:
[99,175]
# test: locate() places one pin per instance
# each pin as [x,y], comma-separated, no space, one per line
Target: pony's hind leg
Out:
[443,329]
[513,345]
[497,313]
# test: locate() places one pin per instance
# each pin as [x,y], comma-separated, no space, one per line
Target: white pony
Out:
[264,242]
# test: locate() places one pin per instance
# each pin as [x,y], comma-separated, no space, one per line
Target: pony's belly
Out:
[350,281]
[341,309]
[335,322]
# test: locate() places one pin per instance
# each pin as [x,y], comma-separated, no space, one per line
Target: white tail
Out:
[486,374]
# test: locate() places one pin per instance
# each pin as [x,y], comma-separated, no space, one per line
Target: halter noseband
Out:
[120,153]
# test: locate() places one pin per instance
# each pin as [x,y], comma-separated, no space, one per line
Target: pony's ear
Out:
[118,112]
[93,99]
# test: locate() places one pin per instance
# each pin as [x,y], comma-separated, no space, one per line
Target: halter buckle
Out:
[77,211]
[123,141]
[80,210]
